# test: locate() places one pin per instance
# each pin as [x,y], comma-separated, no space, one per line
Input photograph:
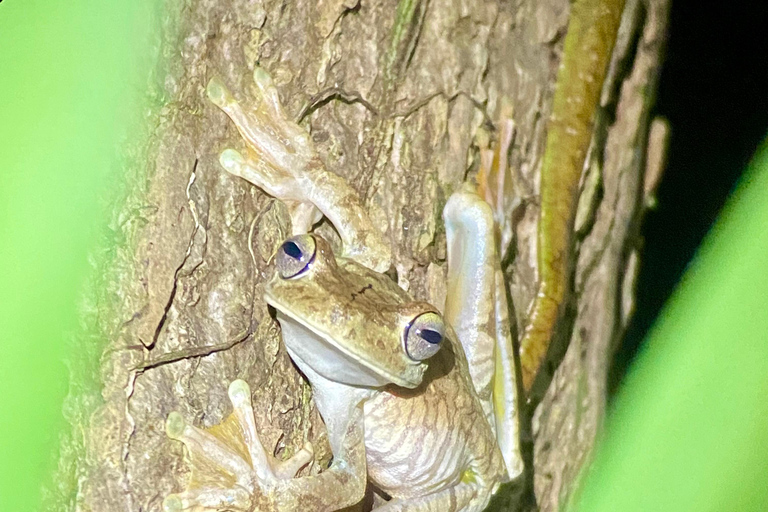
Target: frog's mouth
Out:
[336,363]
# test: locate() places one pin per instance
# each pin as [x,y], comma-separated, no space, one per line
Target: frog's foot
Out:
[271,135]
[229,463]
[282,161]
[496,184]
[276,183]
[280,151]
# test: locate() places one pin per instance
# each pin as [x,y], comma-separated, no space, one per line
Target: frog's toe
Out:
[219,95]
[258,173]
[280,185]
[221,478]
[233,162]
[288,468]
[228,462]
[269,93]
[239,392]
[174,425]
[267,467]
[260,125]
[261,78]
[172,503]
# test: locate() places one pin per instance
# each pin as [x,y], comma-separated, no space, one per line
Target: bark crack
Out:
[180,355]
[176,273]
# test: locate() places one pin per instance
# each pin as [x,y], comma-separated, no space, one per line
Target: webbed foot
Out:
[229,463]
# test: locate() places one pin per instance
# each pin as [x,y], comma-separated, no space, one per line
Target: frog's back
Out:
[420,441]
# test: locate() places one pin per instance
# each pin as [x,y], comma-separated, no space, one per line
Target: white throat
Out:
[329,371]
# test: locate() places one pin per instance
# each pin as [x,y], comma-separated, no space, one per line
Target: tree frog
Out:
[421,405]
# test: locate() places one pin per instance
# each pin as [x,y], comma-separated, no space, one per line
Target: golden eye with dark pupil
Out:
[424,335]
[295,256]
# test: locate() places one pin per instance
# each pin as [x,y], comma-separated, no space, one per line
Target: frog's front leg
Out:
[231,470]
[282,161]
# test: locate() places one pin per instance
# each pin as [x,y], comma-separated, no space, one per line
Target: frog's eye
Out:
[424,335]
[295,255]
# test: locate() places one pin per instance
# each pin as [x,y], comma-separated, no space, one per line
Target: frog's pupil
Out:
[431,336]
[292,250]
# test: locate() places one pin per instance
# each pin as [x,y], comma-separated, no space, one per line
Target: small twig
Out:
[334,93]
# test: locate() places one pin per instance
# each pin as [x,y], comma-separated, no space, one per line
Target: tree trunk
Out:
[394,96]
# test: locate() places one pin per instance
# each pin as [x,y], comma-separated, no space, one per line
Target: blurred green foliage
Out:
[689,429]
[70,72]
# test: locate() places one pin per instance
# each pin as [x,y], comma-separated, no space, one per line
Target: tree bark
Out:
[394,97]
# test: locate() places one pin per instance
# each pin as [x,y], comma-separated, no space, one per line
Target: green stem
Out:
[592,32]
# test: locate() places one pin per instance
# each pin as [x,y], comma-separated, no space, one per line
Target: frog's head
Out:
[348,323]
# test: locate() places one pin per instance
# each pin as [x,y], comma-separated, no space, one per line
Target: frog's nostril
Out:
[292,250]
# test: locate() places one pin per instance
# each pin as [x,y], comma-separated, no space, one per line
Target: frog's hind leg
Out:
[506,403]
[476,307]
[469,306]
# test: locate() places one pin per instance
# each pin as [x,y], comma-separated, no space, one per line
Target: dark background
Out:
[714,92]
